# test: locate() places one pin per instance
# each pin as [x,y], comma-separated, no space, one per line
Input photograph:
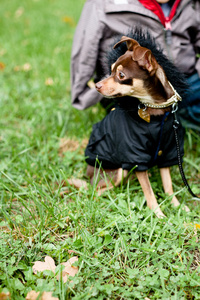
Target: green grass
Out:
[124,251]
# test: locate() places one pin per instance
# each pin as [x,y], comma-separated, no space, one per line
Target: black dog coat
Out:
[124,140]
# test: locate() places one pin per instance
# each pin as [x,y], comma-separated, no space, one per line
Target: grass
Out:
[124,251]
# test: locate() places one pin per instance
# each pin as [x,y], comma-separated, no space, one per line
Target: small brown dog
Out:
[138,75]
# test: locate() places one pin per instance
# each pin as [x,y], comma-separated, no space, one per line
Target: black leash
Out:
[176,126]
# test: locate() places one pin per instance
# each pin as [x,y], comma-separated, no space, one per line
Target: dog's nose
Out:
[98,85]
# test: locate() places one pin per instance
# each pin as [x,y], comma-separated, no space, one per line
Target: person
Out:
[175,25]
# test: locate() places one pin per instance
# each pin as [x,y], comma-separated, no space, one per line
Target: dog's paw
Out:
[159,213]
[77,183]
[73,182]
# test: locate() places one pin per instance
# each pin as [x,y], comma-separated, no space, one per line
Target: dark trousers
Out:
[190,113]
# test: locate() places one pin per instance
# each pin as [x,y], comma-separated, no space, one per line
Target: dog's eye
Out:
[121,75]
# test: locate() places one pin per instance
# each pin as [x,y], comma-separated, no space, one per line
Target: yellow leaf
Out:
[2,66]
[69,20]
[197,226]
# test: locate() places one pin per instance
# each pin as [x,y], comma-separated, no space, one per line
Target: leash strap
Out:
[176,126]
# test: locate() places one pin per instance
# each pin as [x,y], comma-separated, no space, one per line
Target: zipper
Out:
[168,31]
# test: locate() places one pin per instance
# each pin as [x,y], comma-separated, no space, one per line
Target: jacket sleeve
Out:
[197,41]
[84,55]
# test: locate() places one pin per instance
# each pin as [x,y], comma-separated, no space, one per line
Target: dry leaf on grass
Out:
[49,81]
[4,296]
[49,264]
[69,20]
[68,145]
[69,270]
[2,66]
[26,67]
[189,225]
[19,12]
[17,68]
[71,145]
[197,226]
[72,251]
[33,295]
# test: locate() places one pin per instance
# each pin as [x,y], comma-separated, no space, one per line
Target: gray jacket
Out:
[102,19]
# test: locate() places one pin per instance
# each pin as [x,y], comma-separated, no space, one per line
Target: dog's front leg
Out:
[167,185]
[148,193]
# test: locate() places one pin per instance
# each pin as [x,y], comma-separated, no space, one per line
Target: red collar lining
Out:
[157,10]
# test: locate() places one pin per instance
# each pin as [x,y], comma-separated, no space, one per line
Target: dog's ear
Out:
[142,55]
[146,60]
[130,43]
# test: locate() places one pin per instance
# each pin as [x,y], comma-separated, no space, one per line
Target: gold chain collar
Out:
[174,99]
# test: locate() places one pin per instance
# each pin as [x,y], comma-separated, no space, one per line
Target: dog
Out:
[138,131]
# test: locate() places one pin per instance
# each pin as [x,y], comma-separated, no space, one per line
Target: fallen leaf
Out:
[17,68]
[72,251]
[69,270]
[2,66]
[33,295]
[197,226]
[68,145]
[48,264]
[4,296]
[71,145]
[69,20]
[2,52]
[49,81]
[48,296]
[19,12]
[26,67]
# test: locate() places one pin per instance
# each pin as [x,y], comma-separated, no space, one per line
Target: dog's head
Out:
[136,74]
